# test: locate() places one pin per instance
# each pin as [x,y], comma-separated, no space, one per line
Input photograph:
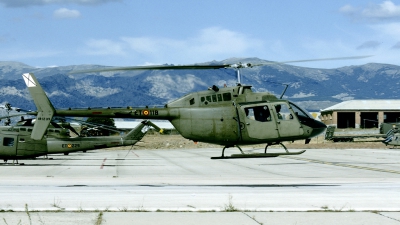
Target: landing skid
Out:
[14,162]
[256,155]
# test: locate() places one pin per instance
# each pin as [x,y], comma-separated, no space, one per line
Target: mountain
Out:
[314,89]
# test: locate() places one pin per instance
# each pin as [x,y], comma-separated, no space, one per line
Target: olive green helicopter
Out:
[31,138]
[227,116]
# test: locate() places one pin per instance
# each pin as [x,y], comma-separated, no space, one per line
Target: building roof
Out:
[365,105]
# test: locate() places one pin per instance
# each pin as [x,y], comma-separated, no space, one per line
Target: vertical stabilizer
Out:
[44,107]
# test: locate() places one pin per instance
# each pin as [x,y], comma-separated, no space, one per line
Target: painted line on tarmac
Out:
[102,165]
[342,165]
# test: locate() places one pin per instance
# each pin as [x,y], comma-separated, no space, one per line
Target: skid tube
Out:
[256,155]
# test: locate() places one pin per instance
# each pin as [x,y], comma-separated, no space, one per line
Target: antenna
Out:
[284,91]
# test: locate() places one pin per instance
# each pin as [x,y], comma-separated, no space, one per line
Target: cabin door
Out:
[288,125]
[258,121]
[8,145]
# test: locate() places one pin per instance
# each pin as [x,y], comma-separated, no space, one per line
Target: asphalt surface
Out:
[184,186]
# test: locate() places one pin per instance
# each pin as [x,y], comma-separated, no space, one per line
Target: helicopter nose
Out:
[317,127]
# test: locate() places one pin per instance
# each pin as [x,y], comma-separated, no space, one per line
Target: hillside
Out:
[311,88]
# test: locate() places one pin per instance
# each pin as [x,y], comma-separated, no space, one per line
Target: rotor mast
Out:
[238,76]
[237,67]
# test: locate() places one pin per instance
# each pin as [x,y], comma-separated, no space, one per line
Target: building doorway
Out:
[346,119]
[369,120]
[391,117]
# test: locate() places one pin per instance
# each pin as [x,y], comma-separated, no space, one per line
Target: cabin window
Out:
[30,129]
[208,98]
[57,131]
[219,97]
[258,113]
[214,98]
[22,129]
[191,101]
[7,141]
[202,99]
[227,96]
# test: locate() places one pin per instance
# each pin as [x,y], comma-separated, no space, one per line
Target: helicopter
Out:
[23,141]
[16,142]
[227,116]
[392,136]
[7,107]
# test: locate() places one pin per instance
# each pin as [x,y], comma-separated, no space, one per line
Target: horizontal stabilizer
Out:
[140,130]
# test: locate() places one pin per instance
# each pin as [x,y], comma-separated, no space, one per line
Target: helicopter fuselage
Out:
[16,142]
[226,116]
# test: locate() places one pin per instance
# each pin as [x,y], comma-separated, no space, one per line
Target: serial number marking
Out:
[43,118]
[146,112]
[70,145]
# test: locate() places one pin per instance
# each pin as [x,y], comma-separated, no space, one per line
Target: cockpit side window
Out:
[299,111]
[258,113]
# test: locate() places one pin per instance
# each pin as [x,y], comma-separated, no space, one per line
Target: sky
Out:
[45,33]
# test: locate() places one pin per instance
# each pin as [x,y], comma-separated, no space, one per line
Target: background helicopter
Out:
[392,136]
[229,116]
[23,141]
[16,142]
[8,108]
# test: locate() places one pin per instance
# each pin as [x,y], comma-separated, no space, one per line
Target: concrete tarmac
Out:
[321,186]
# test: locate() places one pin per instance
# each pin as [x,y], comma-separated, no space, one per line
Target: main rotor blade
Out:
[97,125]
[155,67]
[313,60]
[202,67]
[15,115]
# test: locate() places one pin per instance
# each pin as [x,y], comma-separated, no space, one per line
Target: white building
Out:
[361,113]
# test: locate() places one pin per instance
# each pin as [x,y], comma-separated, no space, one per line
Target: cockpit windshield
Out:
[299,111]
